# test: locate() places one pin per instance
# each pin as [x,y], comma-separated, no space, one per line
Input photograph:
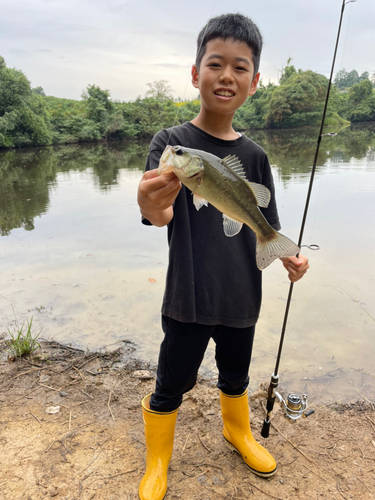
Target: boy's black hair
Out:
[231,26]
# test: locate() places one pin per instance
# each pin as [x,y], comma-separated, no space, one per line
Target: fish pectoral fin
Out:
[199,202]
[261,193]
[231,227]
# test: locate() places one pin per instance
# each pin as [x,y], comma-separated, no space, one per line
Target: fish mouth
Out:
[223,92]
[195,175]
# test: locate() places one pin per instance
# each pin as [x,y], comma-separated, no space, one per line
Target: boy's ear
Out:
[254,84]
[194,76]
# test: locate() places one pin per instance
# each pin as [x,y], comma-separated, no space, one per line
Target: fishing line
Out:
[337,126]
[314,211]
[295,406]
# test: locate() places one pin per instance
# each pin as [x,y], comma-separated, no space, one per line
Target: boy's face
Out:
[225,77]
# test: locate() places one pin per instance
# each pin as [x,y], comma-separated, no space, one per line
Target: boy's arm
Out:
[156,195]
[296,266]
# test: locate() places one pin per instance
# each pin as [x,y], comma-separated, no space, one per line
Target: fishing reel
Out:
[294,406]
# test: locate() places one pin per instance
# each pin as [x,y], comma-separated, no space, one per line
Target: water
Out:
[75,257]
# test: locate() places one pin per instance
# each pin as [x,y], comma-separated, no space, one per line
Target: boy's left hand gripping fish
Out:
[223,183]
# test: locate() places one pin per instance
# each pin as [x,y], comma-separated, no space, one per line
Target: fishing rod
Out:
[295,406]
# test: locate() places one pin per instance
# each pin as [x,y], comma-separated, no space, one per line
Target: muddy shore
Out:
[71,428]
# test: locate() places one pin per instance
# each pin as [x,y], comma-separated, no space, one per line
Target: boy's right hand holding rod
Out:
[156,194]
[296,266]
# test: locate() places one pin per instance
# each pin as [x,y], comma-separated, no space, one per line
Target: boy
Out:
[213,286]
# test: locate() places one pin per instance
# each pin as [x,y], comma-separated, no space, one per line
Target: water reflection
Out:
[27,176]
[293,151]
[23,180]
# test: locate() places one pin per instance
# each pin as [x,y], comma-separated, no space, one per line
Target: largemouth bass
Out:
[223,183]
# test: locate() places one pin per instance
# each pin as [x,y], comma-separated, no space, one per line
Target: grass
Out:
[335,119]
[23,343]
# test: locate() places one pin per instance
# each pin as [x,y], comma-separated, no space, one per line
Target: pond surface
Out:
[76,258]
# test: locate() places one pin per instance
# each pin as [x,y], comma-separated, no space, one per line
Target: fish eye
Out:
[178,151]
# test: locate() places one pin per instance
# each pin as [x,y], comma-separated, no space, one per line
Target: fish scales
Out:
[230,194]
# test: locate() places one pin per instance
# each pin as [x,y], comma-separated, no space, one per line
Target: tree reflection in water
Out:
[27,176]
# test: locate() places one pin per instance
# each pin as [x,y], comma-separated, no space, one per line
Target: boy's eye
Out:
[241,68]
[214,65]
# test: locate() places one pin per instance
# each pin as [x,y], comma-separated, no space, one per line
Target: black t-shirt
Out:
[212,279]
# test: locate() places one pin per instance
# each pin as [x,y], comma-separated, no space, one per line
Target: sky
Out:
[65,45]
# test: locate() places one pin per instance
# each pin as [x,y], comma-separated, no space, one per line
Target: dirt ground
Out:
[93,447]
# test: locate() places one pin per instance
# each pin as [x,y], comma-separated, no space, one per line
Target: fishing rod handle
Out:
[270,404]
[266,428]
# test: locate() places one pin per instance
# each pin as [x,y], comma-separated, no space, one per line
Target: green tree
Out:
[187,111]
[107,119]
[287,71]
[361,102]
[39,91]
[360,92]
[251,113]
[97,103]
[23,118]
[353,78]
[149,115]
[69,122]
[160,91]
[344,80]
[299,101]
[341,79]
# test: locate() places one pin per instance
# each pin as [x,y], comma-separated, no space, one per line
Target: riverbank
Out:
[71,428]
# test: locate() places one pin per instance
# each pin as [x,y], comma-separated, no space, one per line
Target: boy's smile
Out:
[225,76]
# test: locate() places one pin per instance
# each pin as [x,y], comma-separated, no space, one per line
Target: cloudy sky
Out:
[64,45]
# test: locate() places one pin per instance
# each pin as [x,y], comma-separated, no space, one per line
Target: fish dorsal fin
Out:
[261,193]
[234,163]
[231,227]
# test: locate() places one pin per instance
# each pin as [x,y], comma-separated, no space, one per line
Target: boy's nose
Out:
[226,76]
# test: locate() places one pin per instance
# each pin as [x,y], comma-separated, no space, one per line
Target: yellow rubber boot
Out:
[159,433]
[238,436]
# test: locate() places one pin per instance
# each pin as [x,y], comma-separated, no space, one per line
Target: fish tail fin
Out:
[278,246]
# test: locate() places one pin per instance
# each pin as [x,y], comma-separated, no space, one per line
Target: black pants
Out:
[181,354]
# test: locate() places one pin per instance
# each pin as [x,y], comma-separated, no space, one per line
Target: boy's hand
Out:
[156,194]
[296,266]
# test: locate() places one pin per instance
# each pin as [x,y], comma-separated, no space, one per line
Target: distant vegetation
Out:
[28,117]
[299,98]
